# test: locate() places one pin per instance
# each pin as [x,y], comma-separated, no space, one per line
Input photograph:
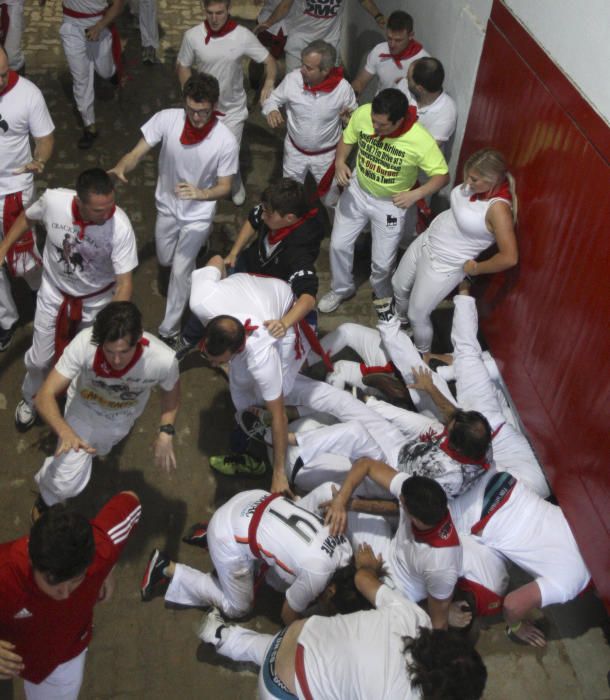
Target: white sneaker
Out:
[211,626]
[25,416]
[240,196]
[329,302]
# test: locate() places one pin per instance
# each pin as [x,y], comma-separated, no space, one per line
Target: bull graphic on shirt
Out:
[69,255]
[3,122]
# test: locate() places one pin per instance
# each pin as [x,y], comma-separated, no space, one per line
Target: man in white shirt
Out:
[108,371]
[92,45]
[11,31]
[382,653]
[23,112]
[389,60]
[89,254]
[217,47]
[198,160]
[316,97]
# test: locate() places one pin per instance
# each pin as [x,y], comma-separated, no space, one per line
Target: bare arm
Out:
[374,506]
[279,433]
[246,234]
[16,231]
[374,11]
[500,222]
[124,287]
[439,612]
[163,447]
[342,170]
[422,381]
[360,82]
[270,73]
[46,404]
[217,262]
[406,199]
[368,572]
[114,10]
[279,13]
[42,153]
[288,614]
[129,161]
[184,73]
[301,307]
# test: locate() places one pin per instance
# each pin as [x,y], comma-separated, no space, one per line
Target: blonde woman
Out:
[483,212]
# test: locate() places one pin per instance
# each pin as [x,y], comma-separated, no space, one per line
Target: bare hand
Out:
[404,200]
[279,484]
[266,90]
[163,449]
[529,633]
[380,21]
[422,379]
[184,190]
[262,27]
[336,514]
[69,440]
[107,588]
[11,664]
[93,33]
[275,119]
[345,115]
[464,288]
[470,268]
[276,328]
[231,260]
[365,559]
[118,173]
[460,614]
[342,174]
[34,166]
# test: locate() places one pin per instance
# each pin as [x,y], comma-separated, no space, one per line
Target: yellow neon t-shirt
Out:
[388,166]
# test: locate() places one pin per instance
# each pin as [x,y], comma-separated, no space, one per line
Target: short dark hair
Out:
[224,333]
[286,197]
[470,434]
[117,320]
[429,73]
[61,544]
[347,598]
[93,181]
[391,102]
[425,499]
[400,21]
[216,2]
[201,87]
[445,666]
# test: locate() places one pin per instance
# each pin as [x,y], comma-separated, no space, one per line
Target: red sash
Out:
[102,367]
[226,28]
[192,135]
[24,247]
[255,522]
[328,84]
[502,192]
[13,77]
[412,48]
[442,535]
[327,179]
[377,369]
[314,343]
[273,42]
[409,119]
[311,153]
[487,602]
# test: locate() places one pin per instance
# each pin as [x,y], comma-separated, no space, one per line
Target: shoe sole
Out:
[240,470]
[144,592]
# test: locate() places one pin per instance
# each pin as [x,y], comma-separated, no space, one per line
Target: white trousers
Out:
[148,15]
[355,209]
[296,165]
[85,58]
[178,243]
[12,42]
[420,283]
[235,121]
[63,684]
[39,358]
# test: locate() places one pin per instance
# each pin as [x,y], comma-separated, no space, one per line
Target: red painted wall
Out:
[547,322]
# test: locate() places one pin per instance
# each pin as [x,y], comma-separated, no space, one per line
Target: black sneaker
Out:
[6,337]
[183,347]
[25,416]
[171,341]
[197,536]
[87,139]
[154,576]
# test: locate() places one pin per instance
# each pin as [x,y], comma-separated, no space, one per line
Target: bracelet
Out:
[167,428]
[378,15]
[515,628]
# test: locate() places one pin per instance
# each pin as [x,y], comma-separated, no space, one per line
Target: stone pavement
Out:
[144,651]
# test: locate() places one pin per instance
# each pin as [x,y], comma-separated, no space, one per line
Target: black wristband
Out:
[168,428]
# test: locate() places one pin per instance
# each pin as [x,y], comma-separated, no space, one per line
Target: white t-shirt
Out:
[312,118]
[199,164]
[23,111]
[78,266]
[87,7]
[417,568]
[360,656]
[387,72]
[284,24]
[117,400]
[222,58]
[254,299]
[439,118]
[316,19]
[294,542]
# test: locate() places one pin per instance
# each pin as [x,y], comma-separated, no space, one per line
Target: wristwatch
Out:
[167,428]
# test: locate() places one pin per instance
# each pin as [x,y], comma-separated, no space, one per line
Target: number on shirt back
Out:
[301,526]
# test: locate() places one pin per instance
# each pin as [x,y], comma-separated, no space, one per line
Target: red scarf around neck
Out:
[279,234]
[102,367]
[502,192]
[328,84]
[226,28]
[13,77]
[447,449]
[77,220]
[192,135]
[443,534]
[412,48]
[409,119]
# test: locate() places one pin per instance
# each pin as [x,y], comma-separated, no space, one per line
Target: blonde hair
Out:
[491,166]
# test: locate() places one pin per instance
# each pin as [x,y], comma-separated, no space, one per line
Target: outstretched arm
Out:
[164,444]
[279,434]
[422,381]
[129,161]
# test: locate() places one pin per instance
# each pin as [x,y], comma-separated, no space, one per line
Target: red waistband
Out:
[80,15]
[311,153]
[254,523]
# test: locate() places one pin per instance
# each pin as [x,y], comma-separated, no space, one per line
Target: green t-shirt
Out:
[389,165]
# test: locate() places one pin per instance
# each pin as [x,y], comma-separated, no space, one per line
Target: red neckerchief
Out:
[192,135]
[281,233]
[77,220]
[226,28]
[443,534]
[412,48]
[502,192]
[102,367]
[328,84]
[447,449]
[13,77]
[409,119]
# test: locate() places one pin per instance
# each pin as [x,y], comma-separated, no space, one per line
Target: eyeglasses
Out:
[198,112]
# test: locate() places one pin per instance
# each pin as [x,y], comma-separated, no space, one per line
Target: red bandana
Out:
[192,135]
[502,191]
[413,47]
[78,221]
[226,28]
[447,449]
[409,119]
[102,367]
[442,535]
[279,234]
[328,84]
[13,77]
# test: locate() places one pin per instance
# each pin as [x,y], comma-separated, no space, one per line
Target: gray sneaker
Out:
[329,302]
[25,416]
[211,627]
[149,55]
